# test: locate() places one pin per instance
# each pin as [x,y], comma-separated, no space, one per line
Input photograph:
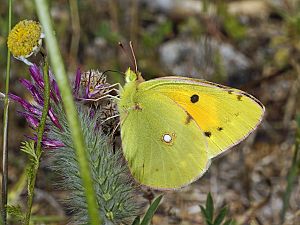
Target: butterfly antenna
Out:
[130,56]
[133,56]
[113,71]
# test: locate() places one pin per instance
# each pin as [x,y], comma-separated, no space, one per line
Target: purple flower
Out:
[33,112]
[26,105]
[77,83]
[88,87]
[36,75]
[48,143]
[31,119]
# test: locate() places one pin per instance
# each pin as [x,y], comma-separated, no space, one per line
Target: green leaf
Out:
[228,222]
[209,208]
[203,212]
[136,221]
[28,148]
[205,216]
[150,212]
[219,219]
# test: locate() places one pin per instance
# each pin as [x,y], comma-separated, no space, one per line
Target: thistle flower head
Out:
[90,85]
[91,88]
[25,39]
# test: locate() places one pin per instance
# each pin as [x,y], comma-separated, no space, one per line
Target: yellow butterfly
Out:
[172,127]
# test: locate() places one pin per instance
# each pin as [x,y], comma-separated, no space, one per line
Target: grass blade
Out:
[136,221]
[209,208]
[219,219]
[150,212]
[5,127]
[292,174]
[71,111]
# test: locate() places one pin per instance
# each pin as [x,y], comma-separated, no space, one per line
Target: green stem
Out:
[40,132]
[71,112]
[31,184]
[292,175]
[5,127]
[45,108]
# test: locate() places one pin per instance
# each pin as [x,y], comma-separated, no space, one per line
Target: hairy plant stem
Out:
[40,131]
[70,109]
[5,127]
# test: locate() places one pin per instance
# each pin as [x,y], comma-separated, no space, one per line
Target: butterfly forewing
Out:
[225,115]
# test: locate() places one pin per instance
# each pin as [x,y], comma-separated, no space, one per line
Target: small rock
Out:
[202,59]
[194,209]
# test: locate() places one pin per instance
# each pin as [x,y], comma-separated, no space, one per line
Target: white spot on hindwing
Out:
[168,138]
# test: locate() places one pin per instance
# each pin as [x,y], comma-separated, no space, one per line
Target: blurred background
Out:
[253,45]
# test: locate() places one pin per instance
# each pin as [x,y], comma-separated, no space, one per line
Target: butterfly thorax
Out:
[128,96]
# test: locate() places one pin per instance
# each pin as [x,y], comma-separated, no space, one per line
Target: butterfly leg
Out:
[115,85]
[103,97]
[109,118]
[98,99]
[107,95]
[115,129]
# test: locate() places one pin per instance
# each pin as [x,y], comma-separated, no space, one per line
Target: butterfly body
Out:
[171,127]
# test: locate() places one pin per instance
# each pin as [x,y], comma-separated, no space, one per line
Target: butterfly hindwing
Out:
[163,148]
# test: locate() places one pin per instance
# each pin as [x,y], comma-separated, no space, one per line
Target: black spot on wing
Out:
[188,118]
[207,133]
[239,97]
[194,98]
[220,128]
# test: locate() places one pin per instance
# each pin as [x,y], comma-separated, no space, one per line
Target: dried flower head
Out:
[25,39]
[91,88]
[93,83]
